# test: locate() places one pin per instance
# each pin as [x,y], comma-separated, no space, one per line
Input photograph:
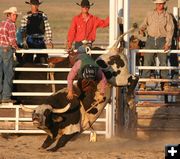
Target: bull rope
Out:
[93,135]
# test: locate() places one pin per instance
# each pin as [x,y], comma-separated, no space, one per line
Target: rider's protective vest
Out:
[89,68]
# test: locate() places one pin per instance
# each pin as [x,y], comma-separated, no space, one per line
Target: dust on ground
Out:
[28,147]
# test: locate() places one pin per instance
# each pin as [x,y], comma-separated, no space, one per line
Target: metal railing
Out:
[17,119]
[134,69]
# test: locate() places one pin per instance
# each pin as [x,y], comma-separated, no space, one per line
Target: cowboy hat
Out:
[12,10]
[159,1]
[34,2]
[85,3]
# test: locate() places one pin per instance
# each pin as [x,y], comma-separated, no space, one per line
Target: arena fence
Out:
[157,111]
[135,69]
[17,122]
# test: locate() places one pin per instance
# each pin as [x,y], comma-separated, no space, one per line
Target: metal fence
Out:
[17,119]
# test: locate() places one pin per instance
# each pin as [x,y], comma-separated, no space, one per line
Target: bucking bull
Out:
[63,119]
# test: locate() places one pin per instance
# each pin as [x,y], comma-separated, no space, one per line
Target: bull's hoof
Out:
[54,149]
[41,149]
[44,146]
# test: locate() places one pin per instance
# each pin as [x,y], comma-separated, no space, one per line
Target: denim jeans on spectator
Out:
[153,43]
[6,72]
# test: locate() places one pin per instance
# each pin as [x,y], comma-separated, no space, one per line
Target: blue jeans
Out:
[153,43]
[6,72]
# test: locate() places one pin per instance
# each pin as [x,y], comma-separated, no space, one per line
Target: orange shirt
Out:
[85,30]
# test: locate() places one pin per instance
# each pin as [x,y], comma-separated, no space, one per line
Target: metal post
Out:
[126,25]
[133,61]
[115,10]
[112,38]
[17,119]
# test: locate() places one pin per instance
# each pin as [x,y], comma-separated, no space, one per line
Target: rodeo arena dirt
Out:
[126,123]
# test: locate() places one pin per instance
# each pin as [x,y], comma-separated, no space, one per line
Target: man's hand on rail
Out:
[142,32]
[49,45]
[25,45]
[166,48]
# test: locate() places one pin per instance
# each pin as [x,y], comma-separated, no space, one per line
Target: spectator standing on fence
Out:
[36,31]
[7,46]
[83,27]
[159,26]
[89,75]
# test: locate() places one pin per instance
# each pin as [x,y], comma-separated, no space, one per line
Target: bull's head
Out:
[44,115]
[115,64]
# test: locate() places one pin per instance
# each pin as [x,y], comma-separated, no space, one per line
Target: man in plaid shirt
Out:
[36,29]
[7,45]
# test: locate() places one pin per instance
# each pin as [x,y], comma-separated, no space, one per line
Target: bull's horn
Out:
[61,110]
[115,45]
[26,109]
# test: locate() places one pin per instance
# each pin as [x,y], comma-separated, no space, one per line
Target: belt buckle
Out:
[5,49]
[85,42]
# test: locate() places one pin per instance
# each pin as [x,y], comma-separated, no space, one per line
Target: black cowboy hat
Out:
[85,3]
[34,2]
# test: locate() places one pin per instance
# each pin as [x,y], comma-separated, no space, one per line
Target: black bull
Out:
[63,119]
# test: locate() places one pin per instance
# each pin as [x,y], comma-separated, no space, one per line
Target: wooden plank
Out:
[169,111]
[160,104]
[158,129]
[158,123]
[171,92]
[159,116]
[152,134]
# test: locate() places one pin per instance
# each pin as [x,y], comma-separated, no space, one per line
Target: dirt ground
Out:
[27,147]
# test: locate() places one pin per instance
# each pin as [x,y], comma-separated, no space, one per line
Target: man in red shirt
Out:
[83,26]
[7,45]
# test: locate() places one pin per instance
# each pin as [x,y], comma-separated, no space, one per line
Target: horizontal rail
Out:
[30,69]
[158,80]
[30,119]
[95,43]
[10,106]
[159,129]
[41,132]
[14,119]
[33,94]
[39,81]
[43,51]
[158,92]
[55,52]
[155,51]
[158,68]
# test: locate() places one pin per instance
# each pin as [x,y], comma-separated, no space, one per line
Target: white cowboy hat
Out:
[159,1]
[12,10]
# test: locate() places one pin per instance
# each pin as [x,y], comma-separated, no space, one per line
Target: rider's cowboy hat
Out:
[12,10]
[85,3]
[34,2]
[159,1]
